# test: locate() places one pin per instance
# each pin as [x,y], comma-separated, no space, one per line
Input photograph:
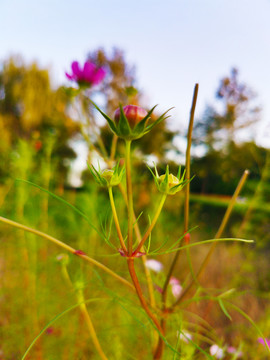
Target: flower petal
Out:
[98,76]
[70,77]
[154,265]
[89,71]
[77,72]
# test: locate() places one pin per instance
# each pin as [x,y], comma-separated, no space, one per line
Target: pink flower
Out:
[233,350]
[90,74]
[154,265]
[184,336]
[133,113]
[216,351]
[261,341]
[176,287]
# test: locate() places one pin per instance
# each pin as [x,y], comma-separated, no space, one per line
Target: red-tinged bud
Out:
[133,113]
[79,252]
[50,330]
[187,238]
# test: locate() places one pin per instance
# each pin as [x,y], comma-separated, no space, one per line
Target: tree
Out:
[226,157]
[218,128]
[30,109]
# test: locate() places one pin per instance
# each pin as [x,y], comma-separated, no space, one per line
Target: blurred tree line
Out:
[225,154]
[34,112]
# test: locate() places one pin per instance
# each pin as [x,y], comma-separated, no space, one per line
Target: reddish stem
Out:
[131,268]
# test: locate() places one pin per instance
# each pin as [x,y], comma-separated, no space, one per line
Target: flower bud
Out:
[131,122]
[133,113]
[112,177]
[168,183]
[172,180]
[107,174]
[108,177]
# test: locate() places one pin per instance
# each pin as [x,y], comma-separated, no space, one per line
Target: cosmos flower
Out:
[154,265]
[176,287]
[233,350]
[89,75]
[216,351]
[184,336]
[261,341]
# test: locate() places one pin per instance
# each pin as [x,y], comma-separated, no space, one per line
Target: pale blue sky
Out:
[172,43]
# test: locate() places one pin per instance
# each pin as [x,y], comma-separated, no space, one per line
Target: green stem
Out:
[113,148]
[153,223]
[90,325]
[129,197]
[144,257]
[118,229]
[217,236]
[91,124]
[187,188]
[84,312]
[68,248]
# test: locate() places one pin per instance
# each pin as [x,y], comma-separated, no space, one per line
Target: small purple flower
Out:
[233,350]
[261,341]
[90,74]
[216,351]
[176,287]
[154,265]
[184,336]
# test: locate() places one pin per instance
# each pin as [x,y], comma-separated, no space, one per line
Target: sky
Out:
[173,44]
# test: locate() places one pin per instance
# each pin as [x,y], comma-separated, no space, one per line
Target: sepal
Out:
[168,183]
[108,177]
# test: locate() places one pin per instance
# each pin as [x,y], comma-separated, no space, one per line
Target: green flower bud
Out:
[172,180]
[108,177]
[131,122]
[168,183]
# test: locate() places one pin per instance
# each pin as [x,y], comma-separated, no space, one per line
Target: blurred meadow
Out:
[47,293]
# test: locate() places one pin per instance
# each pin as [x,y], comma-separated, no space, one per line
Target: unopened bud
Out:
[107,174]
[172,180]
[133,113]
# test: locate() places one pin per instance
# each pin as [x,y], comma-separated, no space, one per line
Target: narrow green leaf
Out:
[179,173]
[155,178]
[179,239]
[222,306]
[135,222]
[55,319]
[66,203]
[205,242]
[240,311]
[161,246]
[140,126]
[109,120]
[197,346]
[161,118]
